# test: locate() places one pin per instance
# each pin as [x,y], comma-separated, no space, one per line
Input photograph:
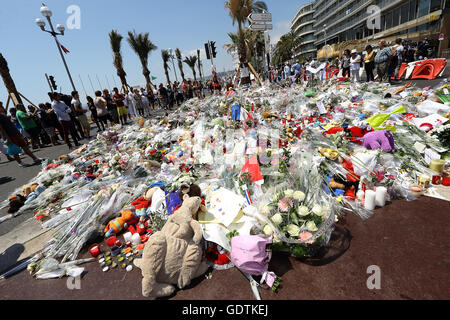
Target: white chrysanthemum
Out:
[276,239]
[293,230]
[311,226]
[289,193]
[268,230]
[298,195]
[317,210]
[277,219]
[303,211]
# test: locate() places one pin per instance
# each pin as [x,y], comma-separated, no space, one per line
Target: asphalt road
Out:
[16,176]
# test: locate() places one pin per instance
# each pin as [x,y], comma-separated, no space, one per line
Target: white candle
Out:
[369,200]
[136,239]
[360,195]
[127,236]
[380,196]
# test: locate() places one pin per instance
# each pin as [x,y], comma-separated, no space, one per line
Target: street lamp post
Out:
[47,13]
[173,64]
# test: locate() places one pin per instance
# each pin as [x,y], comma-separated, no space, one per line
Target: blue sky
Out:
[182,24]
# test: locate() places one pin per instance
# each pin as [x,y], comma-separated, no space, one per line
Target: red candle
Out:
[436,179]
[94,250]
[446,181]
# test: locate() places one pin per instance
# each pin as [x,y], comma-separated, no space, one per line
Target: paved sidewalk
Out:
[408,241]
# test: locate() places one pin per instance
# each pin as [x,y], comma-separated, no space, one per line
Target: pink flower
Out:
[123,166]
[285,204]
[305,236]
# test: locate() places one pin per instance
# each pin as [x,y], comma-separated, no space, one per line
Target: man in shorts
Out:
[47,123]
[12,135]
[121,108]
[80,114]
[29,125]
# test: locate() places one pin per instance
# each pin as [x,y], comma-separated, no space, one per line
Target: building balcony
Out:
[302,34]
[341,13]
[301,14]
[300,26]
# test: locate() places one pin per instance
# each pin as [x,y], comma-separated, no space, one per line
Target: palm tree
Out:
[166,56]
[7,80]
[239,10]
[142,46]
[191,61]
[115,40]
[232,47]
[286,47]
[180,62]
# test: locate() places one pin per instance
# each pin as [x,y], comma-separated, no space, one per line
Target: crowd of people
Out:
[383,61]
[65,119]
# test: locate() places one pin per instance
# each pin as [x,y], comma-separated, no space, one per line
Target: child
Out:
[14,150]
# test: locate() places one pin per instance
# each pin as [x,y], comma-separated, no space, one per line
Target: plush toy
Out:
[36,190]
[331,154]
[336,185]
[28,189]
[383,139]
[267,115]
[141,204]
[16,202]
[173,256]
[63,159]
[118,224]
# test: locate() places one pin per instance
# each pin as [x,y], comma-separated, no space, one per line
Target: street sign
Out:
[261,27]
[441,37]
[260,17]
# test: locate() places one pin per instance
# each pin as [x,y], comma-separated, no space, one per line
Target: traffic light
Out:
[52,80]
[213,48]
[207,51]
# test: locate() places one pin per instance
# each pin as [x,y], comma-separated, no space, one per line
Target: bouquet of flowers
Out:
[443,135]
[381,178]
[110,137]
[119,164]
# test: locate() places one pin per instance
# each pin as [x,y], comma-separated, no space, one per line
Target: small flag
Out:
[64,49]
[154,78]
[247,194]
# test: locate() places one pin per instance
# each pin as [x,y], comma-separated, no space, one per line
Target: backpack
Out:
[251,254]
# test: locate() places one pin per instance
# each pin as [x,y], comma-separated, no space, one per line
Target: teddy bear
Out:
[16,202]
[383,139]
[28,189]
[173,256]
[118,224]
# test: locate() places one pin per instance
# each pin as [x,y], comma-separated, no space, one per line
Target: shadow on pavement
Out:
[6,180]
[8,258]
[338,245]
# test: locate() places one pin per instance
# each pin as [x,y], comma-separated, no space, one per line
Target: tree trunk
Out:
[180,66]
[122,75]
[167,74]
[193,71]
[7,80]
[146,74]
[242,51]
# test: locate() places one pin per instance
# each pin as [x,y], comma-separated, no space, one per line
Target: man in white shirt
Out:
[399,49]
[62,111]
[355,65]
[287,71]
[145,101]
